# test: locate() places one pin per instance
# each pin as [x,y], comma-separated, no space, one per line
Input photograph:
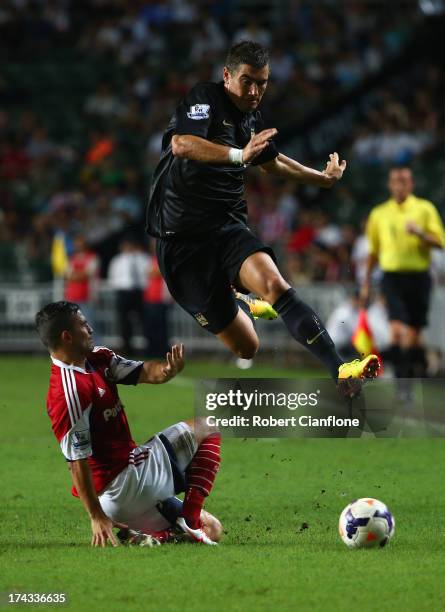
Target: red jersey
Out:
[156,291]
[81,290]
[87,415]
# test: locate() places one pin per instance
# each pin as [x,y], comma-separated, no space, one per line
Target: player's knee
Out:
[398,332]
[413,337]
[248,349]
[202,429]
[211,525]
[274,287]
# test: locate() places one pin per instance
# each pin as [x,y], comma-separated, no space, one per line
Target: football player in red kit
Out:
[120,483]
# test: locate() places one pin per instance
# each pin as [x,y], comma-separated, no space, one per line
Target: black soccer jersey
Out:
[190,197]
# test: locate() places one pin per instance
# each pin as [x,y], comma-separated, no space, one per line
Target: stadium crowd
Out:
[80,136]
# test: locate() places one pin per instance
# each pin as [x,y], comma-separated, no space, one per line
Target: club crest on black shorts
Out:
[201,319]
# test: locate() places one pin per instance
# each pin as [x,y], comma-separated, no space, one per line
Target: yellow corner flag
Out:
[59,257]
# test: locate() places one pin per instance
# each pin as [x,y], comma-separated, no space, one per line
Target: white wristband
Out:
[236,156]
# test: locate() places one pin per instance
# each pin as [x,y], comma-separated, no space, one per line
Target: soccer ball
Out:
[365,523]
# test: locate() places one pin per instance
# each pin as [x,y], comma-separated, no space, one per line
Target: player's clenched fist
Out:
[257,144]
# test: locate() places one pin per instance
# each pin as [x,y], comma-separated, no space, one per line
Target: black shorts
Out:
[200,271]
[407,297]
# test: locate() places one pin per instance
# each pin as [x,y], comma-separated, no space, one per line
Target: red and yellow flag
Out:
[363,340]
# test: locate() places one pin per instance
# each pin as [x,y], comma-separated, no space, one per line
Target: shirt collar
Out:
[410,200]
[67,366]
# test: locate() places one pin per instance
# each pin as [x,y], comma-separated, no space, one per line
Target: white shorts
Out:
[154,474]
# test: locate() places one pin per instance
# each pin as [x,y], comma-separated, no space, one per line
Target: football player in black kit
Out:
[197,211]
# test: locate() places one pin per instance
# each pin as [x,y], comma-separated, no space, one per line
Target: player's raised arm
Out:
[101,525]
[158,372]
[291,169]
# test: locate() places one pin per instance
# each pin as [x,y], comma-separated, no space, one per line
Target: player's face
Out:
[80,335]
[400,184]
[246,86]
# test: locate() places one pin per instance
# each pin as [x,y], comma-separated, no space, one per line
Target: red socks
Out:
[201,474]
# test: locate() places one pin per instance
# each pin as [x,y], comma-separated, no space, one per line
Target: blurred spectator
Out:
[141,88]
[281,64]
[109,36]
[127,275]
[38,249]
[101,146]
[359,258]
[103,103]
[302,237]
[39,144]
[324,263]
[348,69]
[14,161]
[9,268]
[209,40]
[157,302]
[288,203]
[57,13]
[81,279]
[65,151]
[253,30]
[296,272]
[328,234]
[273,225]
[125,204]
[103,222]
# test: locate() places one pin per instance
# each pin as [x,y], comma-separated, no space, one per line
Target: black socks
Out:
[308,330]
[398,359]
[418,365]
[408,363]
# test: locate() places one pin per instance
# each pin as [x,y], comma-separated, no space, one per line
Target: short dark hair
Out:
[400,167]
[246,52]
[53,319]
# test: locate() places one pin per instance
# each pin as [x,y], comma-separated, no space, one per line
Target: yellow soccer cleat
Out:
[259,309]
[352,375]
[359,368]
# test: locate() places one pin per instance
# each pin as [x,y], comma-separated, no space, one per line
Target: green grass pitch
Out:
[264,494]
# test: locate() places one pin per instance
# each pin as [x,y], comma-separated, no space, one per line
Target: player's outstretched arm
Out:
[290,169]
[158,372]
[101,525]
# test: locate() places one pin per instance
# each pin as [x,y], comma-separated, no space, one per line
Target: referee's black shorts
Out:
[407,297]
[200,270]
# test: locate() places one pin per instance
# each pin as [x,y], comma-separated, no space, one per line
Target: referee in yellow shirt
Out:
[401,233]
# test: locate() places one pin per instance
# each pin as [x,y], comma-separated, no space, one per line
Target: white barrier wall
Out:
[18,305]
